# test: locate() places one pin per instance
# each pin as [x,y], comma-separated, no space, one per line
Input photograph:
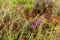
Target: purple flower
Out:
[36,24]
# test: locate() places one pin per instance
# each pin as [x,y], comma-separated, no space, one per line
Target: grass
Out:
[27,20]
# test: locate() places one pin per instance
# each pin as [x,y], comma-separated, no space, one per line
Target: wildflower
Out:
[36,24]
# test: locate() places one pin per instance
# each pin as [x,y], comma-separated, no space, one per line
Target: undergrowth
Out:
[29,20]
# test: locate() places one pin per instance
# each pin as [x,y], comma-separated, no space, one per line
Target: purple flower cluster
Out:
[35,24]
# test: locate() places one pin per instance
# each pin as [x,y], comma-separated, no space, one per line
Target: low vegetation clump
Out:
[29,20]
